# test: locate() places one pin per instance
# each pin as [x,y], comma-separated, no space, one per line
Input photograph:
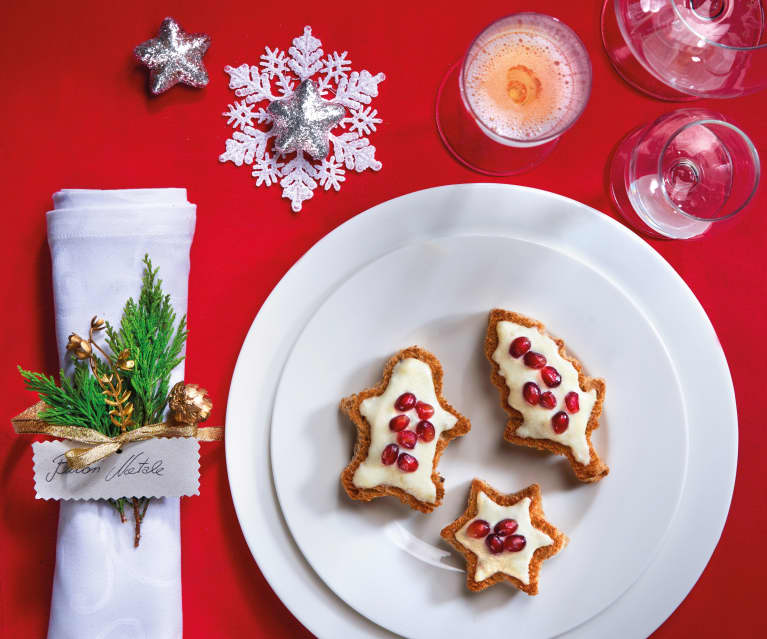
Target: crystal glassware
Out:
[684,49]
[523,82]
[683,173]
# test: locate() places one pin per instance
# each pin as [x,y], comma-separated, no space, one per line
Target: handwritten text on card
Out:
[153,468]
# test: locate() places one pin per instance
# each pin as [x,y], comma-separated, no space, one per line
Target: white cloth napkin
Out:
[103,587]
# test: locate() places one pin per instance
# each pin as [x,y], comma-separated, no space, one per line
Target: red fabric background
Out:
[76,113]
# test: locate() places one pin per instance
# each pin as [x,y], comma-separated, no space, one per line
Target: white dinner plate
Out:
[615,260]
[437,293]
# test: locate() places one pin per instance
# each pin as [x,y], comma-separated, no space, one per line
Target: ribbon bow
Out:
[30,423]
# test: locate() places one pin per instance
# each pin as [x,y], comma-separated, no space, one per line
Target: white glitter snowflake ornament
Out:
[317,114]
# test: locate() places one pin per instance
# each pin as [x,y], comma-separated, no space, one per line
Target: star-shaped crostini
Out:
[504,537]
[552,404]
[303,121]
[174,56]
[403,426]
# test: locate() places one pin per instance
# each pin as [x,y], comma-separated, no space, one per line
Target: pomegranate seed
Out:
[534,360]
[515,543]
[548,400]
[478,529]
[531,393]
[519,347]
[494,543]
[425,431]
[572,402]
[407,463]
[424,410]
[404,402]
[551,376]
[505,527]
[407,439]
[560,422]
[389,454]
[399,423]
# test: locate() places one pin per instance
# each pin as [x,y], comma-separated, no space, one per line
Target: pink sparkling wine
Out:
[528,79]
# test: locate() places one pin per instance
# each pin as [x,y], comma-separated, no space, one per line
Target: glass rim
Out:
[659,173]
[713,43]
[551,135]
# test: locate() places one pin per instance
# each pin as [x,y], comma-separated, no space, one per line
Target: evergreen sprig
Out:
[75,401]
[148,332]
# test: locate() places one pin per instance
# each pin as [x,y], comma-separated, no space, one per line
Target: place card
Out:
[160,467]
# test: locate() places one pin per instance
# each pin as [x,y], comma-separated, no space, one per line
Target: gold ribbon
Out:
[30,423]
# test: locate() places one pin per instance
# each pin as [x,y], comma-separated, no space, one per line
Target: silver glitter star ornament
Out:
[303,121]
[173,57]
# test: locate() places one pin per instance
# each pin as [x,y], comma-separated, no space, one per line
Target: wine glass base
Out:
[468,144]
[619,185]
[627,66]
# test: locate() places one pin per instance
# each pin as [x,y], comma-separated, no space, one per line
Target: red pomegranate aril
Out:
[404,402]
[478,529]
[407,439]
[551,376]
[494,543]
[560,422]
[519,347]
[534,360]
[407,463]
[424,410]
[572,402]
[531,392]
[548,400]
[505,527]
[425,431]
[399,422]
[515,543]
[389,454]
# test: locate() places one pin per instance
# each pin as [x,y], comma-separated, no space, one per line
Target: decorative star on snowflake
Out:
[277,79]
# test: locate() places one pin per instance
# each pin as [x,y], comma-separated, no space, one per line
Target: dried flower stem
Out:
[115,396]
[137,517]
[122,410]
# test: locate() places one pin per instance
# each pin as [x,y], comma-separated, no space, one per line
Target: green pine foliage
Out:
[149,332]
[155,344]
[75,401]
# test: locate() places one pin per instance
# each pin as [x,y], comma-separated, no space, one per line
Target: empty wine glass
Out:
[686,171]
[525,80]
[683,49]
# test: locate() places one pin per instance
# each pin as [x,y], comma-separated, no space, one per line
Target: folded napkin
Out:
[103,587]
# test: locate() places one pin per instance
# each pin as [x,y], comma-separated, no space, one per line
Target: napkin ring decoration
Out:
[118,394]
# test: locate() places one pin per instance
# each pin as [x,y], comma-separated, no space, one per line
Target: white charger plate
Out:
[544,219]
[437,293]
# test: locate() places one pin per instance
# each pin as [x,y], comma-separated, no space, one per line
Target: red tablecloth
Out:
[76,113]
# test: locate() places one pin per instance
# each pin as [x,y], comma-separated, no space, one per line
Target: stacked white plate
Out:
[425,269]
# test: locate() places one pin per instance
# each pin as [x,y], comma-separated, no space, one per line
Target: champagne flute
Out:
[523,82]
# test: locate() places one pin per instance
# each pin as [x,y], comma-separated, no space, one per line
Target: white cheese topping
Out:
[413,376]
[537,420]
[516,564]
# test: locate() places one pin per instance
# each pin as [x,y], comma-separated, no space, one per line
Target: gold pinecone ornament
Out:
[79,347]
[189,404]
